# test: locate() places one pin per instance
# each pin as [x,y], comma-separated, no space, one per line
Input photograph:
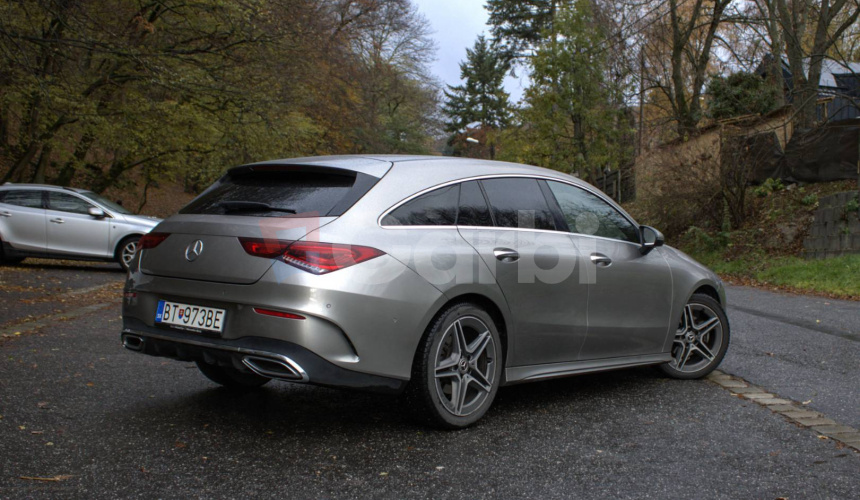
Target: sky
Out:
[456,25]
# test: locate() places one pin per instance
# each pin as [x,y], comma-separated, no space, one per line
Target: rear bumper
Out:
[268,357]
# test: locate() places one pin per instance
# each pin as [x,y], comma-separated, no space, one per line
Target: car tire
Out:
[701,339]
[232,378]
[457,369]
[125,251]
[8,261]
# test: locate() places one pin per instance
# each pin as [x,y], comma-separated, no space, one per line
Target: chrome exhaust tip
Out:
[133,342]
[282,368]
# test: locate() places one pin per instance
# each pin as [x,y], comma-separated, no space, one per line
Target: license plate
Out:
[190,317]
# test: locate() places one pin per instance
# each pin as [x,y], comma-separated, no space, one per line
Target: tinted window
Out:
[106,202]
[518,202]
[65,202]
[286,191]
[436,208]
[473,206]
[24,198]
[586,213]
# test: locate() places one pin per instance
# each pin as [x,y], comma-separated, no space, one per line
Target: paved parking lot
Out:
[81,417]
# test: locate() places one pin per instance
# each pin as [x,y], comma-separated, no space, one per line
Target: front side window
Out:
[587,214]
[65,202]
[115,207]
[518,202]
[436,208]
[23,198]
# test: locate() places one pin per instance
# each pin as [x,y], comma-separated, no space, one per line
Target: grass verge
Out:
[834,277]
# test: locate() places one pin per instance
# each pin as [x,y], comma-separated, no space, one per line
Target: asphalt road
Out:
[100,421]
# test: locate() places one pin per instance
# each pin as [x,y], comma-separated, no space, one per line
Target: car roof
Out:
[12,185]
[460,168]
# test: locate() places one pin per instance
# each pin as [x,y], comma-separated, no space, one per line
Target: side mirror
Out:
[96,212]
[650,238]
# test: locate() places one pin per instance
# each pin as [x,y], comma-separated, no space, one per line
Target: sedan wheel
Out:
[458,367]
[127,251]
[701,339]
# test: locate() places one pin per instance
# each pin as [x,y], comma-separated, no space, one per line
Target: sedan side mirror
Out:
[96,212]
[650,238]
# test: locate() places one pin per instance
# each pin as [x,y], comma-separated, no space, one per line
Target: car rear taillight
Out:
[261,247]
[151,240]
[311,256]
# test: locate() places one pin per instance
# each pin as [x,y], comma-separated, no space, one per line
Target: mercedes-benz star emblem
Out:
[194,250]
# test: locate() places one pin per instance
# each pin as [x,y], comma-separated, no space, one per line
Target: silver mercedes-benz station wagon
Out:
[441,278]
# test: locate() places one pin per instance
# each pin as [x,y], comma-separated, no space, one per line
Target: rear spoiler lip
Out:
[368,166]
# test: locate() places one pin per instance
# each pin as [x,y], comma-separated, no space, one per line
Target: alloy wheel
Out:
[698,339]
[128,252]
[465,366]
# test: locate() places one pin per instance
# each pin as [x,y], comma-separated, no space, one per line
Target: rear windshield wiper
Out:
[251,206]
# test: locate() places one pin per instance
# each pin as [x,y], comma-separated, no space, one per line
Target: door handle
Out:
[57,221]
[506,254]
[600,260]
[5,214]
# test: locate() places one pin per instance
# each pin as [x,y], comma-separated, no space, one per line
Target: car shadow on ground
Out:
[66,265]
[288,409]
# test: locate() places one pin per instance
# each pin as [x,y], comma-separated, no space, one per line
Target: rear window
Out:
[282,193]
[29,198]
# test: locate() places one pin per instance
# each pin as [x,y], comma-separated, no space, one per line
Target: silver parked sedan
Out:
[439,277]
[66,223]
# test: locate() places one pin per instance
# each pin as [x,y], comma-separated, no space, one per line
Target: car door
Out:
[72,230]
[629,294]
[22,220]
[533,263]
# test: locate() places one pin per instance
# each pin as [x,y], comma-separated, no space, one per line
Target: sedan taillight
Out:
[311,256]
[151,240]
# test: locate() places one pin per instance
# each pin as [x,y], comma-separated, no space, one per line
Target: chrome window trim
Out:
[498,176]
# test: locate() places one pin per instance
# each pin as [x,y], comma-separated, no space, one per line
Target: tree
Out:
[691,30]
[809,29]
[740,94]
[482,98]
[571,120]
[105,93]
[519,26]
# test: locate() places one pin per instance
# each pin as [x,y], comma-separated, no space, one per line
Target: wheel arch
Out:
[119,243]
[709,290]
[484,302]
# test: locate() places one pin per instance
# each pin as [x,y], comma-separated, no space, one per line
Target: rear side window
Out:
[279,193]
[436,208]
[65,202]
[518,202]
[23,198]
[473,206]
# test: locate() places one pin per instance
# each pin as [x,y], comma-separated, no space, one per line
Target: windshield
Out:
[113,207]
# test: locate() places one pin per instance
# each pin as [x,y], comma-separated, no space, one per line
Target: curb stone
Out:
[788,409]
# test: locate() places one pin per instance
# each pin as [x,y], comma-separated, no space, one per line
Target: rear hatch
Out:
[269,202]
